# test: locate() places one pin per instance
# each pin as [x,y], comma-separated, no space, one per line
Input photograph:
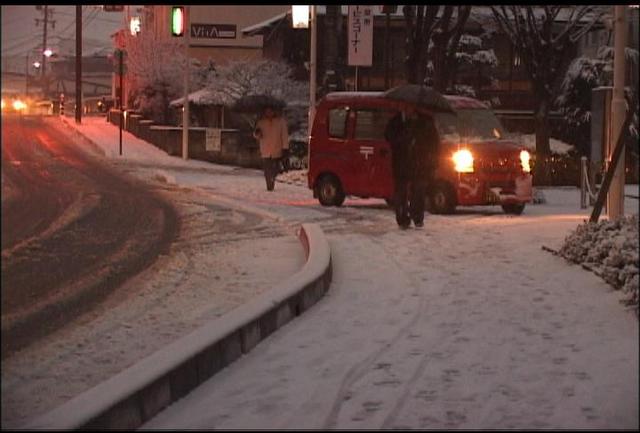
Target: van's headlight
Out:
[525,157]
[463,160]
[19,105]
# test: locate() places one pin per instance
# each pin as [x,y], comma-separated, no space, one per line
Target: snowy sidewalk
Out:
[465,324]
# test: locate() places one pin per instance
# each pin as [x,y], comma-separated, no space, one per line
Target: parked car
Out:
[348,154]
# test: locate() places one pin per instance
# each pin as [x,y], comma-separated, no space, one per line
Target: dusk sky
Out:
[20,33]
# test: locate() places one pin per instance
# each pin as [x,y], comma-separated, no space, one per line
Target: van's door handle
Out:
[384,152]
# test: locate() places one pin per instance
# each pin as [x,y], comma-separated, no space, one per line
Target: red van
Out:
[348,154]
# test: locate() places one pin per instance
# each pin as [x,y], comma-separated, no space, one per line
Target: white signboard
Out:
[213,139]
[360,35]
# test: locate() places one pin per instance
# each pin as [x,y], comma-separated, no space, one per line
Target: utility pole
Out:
[44,41]
[78,64]
[185,102]
[312,67]
[615,198]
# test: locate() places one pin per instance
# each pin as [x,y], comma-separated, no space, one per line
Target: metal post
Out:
[78,64]
[583,181]
[44,47]
[312,67]
[121,70]
[356,78]
[26,73]
[185,104]
[615,198]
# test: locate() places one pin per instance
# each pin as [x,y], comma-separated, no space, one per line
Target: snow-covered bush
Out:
[610,249]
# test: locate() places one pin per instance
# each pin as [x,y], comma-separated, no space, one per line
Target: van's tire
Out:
[390,203]
[441,199]
[513,208]
[329,191]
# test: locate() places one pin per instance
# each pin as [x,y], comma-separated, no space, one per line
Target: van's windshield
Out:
[470,124]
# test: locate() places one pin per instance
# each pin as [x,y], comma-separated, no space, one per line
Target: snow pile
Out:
[294,177]
[610,249]
[557,146]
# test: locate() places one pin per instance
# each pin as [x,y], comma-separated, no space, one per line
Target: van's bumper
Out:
[474,190]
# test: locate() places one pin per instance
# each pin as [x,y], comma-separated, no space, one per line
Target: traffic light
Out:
[177,21]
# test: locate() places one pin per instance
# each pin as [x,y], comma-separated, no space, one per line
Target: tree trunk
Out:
[541,174]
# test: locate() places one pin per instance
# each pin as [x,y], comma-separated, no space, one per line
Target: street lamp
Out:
[301,18]
[48,52]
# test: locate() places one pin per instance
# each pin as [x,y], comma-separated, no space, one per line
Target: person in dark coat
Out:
[414,141]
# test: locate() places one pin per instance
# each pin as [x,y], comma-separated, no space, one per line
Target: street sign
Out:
[113,8]
[360,35]
[213,139]
[115,61]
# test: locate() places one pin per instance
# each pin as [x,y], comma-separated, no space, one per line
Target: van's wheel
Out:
[513,208]
[442,199]
[329,191]
[390,202]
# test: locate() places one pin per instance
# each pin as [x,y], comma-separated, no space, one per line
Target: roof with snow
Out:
[477,12]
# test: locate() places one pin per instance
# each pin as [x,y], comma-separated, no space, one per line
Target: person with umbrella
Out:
[414,140]
[272,133]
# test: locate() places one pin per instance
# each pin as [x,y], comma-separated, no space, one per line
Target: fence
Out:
[236,147]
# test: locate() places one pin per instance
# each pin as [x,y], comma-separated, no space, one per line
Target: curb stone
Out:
[137,394]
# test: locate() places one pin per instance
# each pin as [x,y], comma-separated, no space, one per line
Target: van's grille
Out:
[498,165]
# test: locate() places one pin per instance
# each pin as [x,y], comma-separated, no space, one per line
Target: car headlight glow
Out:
[463,160]
[19,105]
[525,157]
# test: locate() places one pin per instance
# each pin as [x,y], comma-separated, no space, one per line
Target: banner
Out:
[360,35]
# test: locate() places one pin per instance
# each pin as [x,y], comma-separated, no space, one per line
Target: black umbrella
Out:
[258,103]
[419,95]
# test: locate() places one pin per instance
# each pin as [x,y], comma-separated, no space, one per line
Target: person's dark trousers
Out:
[270,168]
[401,202]
[417,198]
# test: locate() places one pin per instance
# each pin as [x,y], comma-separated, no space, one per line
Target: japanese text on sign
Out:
[360,35]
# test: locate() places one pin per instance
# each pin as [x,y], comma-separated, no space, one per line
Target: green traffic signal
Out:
[177,21]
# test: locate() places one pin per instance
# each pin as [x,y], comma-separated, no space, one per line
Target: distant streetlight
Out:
[48,52]
[300,16]
[134,26]
[36,64]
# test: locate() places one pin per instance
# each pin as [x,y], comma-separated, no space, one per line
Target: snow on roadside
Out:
[610,249]
[557,146]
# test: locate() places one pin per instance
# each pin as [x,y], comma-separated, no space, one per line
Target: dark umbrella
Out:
[419,95]
[258,103]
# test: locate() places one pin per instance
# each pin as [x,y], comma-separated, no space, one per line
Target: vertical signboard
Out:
[360,35]
[213,139]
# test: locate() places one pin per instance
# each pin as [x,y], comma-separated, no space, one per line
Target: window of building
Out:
[371,123]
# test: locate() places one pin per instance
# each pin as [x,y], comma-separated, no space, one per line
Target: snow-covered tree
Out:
[155,72]
[585,74]
[433,34]
[544,43]
[478,61]
[237,79]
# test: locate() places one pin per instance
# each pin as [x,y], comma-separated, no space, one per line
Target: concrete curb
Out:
[137,394]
